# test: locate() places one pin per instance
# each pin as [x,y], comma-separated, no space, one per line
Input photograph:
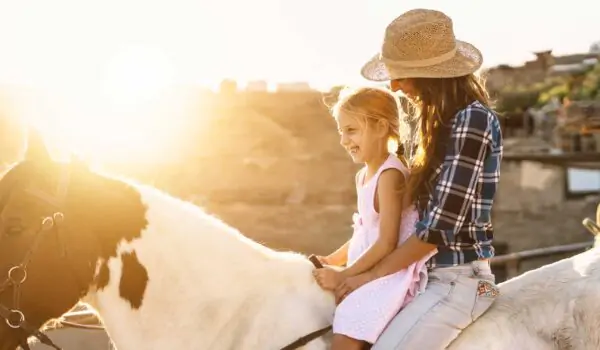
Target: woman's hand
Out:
[323,260]
[350,284]
[328,278]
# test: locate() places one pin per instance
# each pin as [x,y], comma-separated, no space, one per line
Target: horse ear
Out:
[36,150]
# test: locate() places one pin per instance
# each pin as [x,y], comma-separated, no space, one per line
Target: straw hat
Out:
[421,44]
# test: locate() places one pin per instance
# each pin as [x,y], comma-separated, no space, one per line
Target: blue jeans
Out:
[454,298]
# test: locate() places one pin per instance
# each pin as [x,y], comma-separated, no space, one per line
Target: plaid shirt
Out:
[455,207]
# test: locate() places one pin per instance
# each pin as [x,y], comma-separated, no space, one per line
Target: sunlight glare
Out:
[136,75]
[129,113]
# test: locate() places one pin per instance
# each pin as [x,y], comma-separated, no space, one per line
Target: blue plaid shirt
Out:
[455,208]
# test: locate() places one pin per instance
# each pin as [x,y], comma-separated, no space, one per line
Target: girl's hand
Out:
[328,278]
[350,284]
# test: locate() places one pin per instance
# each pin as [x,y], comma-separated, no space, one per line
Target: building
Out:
[536,71]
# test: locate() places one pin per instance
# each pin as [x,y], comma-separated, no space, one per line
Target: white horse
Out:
[163,274]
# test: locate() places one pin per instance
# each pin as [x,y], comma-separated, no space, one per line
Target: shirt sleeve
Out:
[458,179]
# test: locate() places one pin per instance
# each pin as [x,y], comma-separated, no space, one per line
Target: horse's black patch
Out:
[117,215]
[115,223]
[134,280]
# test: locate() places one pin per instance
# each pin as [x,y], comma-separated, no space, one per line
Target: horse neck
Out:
[182,233]
[199,270]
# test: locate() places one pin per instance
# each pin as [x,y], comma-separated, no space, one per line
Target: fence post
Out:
[512,268]
[500,270]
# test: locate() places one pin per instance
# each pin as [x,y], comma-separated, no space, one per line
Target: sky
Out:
[134,46]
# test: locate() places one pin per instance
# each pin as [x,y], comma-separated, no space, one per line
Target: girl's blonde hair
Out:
[375,104]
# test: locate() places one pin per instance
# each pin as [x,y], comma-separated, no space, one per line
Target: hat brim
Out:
[467,60]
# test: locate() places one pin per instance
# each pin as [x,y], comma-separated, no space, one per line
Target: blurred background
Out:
[225,104]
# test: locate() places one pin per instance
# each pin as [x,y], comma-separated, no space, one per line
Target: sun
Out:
[137,75]
[126,114]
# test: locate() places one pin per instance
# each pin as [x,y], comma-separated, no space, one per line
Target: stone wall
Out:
[530,187]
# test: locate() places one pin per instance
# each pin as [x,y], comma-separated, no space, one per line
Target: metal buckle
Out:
[18,323]
[12,277]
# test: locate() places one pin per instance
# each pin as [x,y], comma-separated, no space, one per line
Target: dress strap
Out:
[393,162]
[360,177]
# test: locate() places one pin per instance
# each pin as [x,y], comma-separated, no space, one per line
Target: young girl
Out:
[368,119]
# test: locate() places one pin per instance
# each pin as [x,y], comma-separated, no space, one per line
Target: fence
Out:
[512,262]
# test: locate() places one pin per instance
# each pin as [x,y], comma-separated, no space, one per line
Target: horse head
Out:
[59,224]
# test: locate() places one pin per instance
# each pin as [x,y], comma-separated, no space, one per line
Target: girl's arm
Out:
[390,197]
[337,258]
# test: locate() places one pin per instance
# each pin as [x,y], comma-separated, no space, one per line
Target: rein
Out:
[316,334]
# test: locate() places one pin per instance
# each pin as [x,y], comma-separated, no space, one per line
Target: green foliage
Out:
[591,83]
[559,91]
[581,86]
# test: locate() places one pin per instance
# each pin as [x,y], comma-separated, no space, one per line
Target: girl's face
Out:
[404,85]
[360,138]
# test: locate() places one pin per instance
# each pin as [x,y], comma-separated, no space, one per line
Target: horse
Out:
[163,273]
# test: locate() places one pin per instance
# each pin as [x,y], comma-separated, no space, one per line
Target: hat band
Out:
[419,63]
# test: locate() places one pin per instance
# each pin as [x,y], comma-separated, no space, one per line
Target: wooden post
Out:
[499,270]
[512,268]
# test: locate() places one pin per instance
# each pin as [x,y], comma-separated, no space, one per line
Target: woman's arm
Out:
[389,194]
[412,250]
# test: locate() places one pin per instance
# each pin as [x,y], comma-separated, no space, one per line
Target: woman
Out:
[455,172]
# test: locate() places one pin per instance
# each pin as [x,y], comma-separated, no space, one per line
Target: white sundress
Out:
[365,312]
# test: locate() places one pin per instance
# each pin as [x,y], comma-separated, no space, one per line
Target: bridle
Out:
[17,276]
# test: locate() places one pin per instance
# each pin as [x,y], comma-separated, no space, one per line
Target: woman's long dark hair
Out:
[436,102]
